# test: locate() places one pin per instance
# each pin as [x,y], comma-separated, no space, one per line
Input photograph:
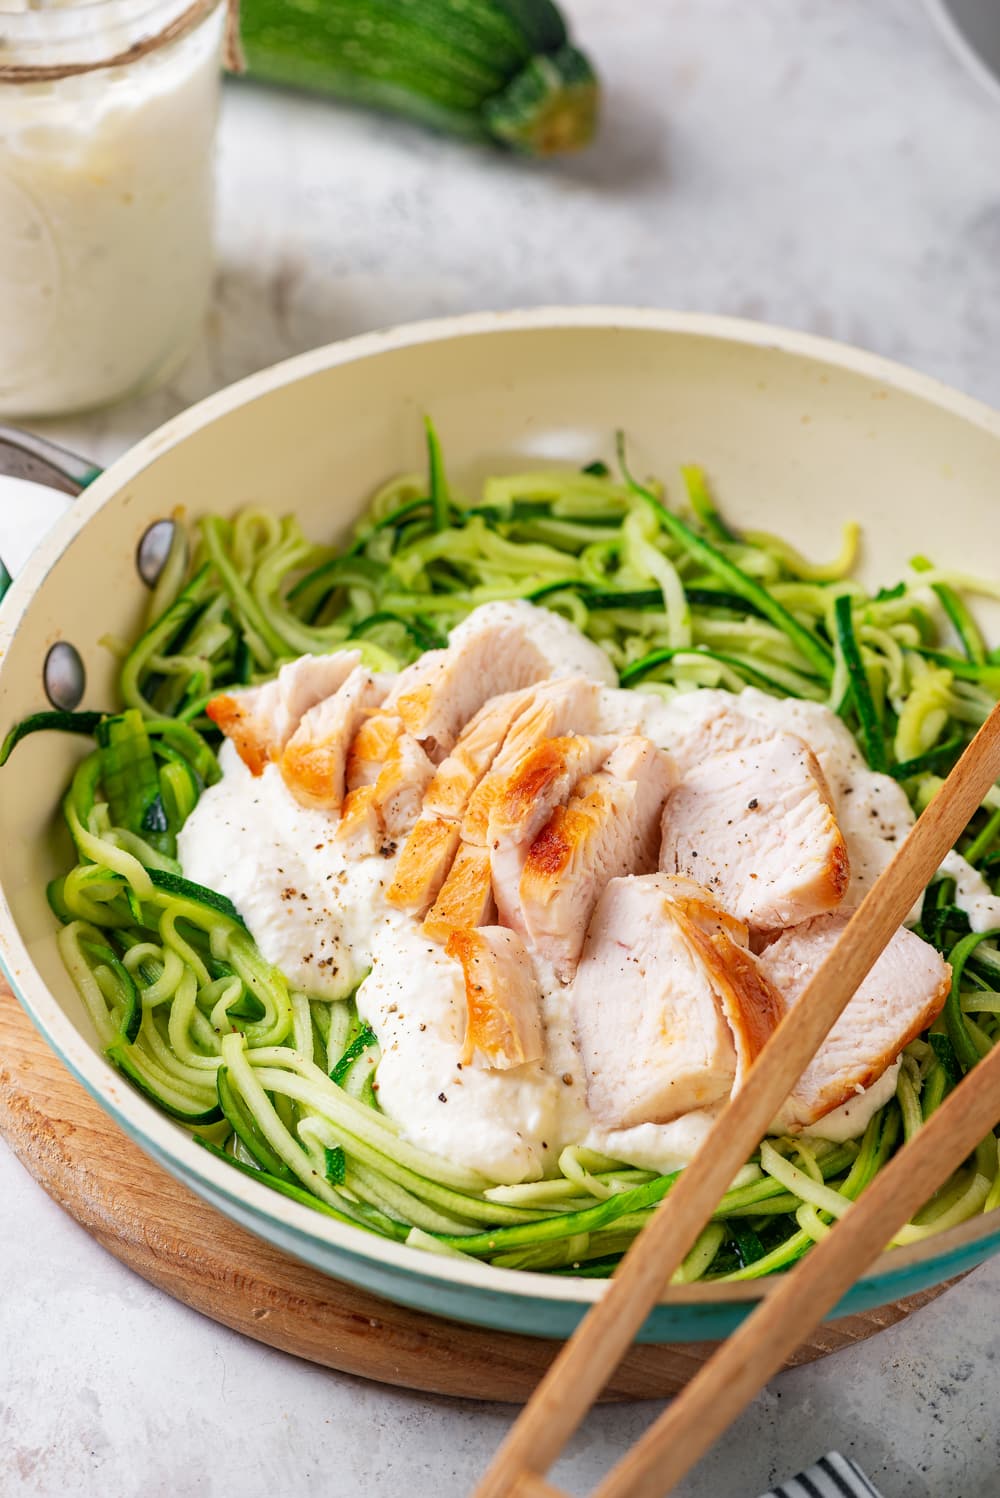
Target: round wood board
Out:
[173,1239]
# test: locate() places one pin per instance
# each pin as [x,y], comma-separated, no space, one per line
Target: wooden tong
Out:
[799,1302]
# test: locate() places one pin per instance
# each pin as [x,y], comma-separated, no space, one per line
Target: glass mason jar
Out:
[107,125]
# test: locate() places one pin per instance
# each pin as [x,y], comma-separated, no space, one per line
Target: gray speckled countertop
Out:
[825,166]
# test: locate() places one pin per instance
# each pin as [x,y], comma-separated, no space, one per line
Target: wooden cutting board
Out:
[173,1239]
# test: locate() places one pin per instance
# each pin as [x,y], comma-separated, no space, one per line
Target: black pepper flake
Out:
[753,805]
[442,1098]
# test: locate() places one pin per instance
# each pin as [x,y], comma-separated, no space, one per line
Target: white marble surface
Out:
[825,166]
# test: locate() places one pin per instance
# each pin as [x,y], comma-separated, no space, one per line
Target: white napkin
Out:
[27,511]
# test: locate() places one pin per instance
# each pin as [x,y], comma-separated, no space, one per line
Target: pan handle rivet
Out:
[64,676]
[152,552]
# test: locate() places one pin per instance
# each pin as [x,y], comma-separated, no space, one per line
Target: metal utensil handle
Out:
[25,456]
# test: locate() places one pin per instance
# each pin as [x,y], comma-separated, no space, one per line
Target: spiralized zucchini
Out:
[279,1083]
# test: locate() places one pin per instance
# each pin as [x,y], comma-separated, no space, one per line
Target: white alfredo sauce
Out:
[323,919]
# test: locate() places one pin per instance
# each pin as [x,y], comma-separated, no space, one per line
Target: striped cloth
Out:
[833,1476]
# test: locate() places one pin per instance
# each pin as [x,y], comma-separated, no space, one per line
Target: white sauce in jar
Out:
[106,201]
[323,919]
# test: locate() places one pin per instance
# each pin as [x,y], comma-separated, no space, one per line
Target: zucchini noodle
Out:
[280,1083]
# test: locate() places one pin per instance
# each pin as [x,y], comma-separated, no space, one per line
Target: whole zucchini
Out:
[500,70]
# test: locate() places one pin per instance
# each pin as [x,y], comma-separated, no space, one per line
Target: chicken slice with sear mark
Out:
[703,909]
[378,815]
[429,705]
[543,780]
[314,759]
[652,1032]
[436,696]
[359,828]
[469,779]
[399,790]
[900,997]
[545,777]
[756,825]
[504,1026]
[751,1006]
[608,828]
[567,706]
[428,852]
[479,743]
[370,748]
[424,864]
[261,720]
[466,897]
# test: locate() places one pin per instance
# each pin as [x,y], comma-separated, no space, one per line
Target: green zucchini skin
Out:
[492,70]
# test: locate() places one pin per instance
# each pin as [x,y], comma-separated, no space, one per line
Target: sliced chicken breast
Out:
[429,705]
[544,777]
[466,897]
[428,852]
[756,825]
[567,652]
[543,780]
[261,720]
[470,779]
[478,745]
[490,658]
[716,726]
[752,1007]
[750,1003]
[314,759]
[398,792]
[554,709]
[566,705]
[504,1026]
[651,1029]
[360,829]
[900,997]
[702,908]
[424,864]
[436,696]
[370,748]
[608,828]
